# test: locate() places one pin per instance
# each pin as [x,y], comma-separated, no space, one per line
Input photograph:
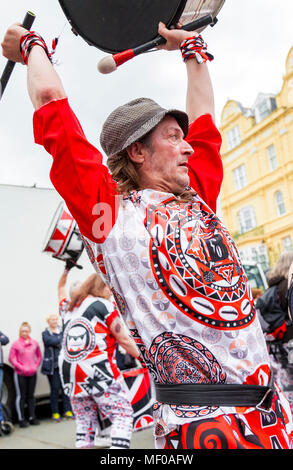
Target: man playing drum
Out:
[150,228]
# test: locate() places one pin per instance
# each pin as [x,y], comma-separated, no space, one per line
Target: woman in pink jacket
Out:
[25,356]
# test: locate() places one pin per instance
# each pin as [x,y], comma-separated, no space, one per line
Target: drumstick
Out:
[27,24]
[110,63]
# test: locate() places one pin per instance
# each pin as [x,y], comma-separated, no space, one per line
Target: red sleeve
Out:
[205,165]
[77,173]
[111,317]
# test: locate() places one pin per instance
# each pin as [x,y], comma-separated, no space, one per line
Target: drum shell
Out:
[141,396]
[117,25]
[63,239]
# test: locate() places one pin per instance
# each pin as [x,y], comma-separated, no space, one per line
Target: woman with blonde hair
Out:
[52,338]
[88,368]
[25,356]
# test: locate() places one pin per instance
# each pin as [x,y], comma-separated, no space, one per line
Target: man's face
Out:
[165,164]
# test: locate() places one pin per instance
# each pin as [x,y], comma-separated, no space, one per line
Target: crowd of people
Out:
[148,221]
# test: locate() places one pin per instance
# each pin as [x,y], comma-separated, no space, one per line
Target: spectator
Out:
[52,337]
[273,308]
[273,304]
[25,357]
[5,426]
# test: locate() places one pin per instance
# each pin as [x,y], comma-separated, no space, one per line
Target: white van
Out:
[28,277]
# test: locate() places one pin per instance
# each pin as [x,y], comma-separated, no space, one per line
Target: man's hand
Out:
[174,37]
[10,43]
[69,264]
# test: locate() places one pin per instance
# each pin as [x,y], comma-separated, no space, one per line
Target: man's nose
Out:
[186,148]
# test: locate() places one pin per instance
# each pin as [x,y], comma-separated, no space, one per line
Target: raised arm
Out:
[123,338]
[205,165]
[77,173]
[200,96]
[43,82]
[62,291]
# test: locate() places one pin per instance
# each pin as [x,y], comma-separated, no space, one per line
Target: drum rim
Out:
[68,240]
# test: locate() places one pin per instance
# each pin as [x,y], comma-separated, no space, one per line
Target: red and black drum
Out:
[63,240]
[141,397]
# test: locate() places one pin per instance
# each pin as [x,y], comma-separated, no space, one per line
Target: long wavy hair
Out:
[126,173]
[93,285]
[281,268]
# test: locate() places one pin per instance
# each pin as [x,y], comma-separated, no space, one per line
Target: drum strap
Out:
[241,395]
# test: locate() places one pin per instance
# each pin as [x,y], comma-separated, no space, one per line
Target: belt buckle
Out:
[261,407]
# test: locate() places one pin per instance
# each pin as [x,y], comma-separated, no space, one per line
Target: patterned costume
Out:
[89,373]
[175,272]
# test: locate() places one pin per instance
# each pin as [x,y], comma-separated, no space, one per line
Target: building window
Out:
[287,244]
[281,210]
[265,107]
[272,157]
[240,179]
[246,219]
[255,254]
[234,138]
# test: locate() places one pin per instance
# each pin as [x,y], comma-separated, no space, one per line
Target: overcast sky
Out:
[250,43]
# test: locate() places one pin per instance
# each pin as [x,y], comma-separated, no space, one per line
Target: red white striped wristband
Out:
[195,48]
[31,39]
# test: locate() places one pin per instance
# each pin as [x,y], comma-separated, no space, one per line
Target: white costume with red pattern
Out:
[89,373]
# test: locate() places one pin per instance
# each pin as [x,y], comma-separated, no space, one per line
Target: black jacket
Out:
[52,343]
[273,304]
[3,340]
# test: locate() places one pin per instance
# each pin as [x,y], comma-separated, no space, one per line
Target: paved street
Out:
[50,435]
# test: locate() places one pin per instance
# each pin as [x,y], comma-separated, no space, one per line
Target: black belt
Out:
[257,396]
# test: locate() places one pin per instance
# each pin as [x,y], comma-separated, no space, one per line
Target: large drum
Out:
[141,397]
[63,240]
[116,25]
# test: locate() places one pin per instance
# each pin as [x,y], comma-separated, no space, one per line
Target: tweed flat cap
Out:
[130,122]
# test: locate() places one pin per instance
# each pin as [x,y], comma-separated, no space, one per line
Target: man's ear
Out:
[136,152]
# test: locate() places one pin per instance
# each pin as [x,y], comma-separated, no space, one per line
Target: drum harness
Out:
[240,395]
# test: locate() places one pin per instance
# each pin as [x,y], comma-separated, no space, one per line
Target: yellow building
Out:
[257,192]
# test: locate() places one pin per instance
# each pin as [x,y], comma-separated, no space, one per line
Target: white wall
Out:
[29,277]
